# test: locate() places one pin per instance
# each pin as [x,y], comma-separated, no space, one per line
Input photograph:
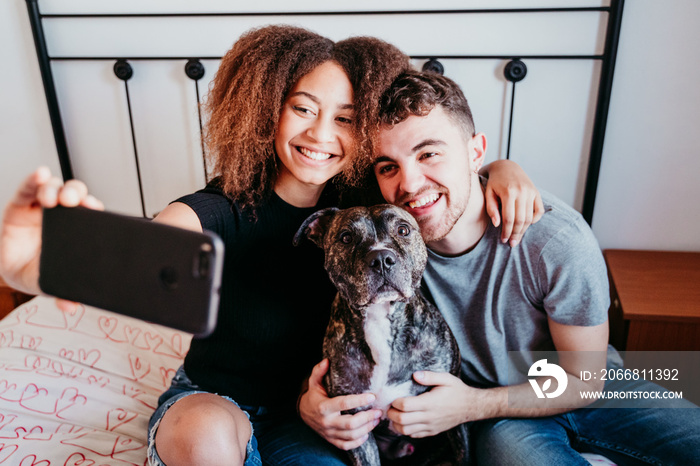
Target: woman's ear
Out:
[477,151]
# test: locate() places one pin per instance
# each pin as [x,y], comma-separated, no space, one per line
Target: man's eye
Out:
[403,230]
[428,155]
[385,169]
[346,237]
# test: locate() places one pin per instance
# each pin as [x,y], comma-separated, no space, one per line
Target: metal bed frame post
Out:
[601,112]
[49,89]
[612,37]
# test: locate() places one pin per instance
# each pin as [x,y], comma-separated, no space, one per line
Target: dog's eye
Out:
[403,230]
[346,237]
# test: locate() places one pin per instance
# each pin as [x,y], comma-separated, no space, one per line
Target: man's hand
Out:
[451,402]
[323,414]
[20,234]
[448,404]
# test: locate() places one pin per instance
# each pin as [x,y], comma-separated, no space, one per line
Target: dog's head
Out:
[373,254]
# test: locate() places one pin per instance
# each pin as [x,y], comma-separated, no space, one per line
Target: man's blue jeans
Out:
[627,436]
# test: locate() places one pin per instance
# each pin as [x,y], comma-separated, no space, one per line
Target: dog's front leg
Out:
[366,454]
[459,442]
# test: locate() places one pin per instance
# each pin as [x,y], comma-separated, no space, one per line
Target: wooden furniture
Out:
[655,300]
[10,299]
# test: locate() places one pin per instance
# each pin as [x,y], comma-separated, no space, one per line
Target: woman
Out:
[289,111]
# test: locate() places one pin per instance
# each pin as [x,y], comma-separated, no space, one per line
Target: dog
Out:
[381,328]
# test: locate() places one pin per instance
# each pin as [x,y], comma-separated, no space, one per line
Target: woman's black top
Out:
[274,307]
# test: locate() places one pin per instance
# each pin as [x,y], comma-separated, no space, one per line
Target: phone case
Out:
[132,266]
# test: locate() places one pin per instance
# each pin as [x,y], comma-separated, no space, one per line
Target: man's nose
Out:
[412,179]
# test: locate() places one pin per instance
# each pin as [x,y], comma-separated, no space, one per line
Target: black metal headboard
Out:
[515,71]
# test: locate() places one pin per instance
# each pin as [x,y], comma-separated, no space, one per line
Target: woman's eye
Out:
[346,237]
[301,110]
[403,230]
[344,120]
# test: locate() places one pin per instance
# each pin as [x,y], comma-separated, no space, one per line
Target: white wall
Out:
[649,192]
[647,196]
[26,140]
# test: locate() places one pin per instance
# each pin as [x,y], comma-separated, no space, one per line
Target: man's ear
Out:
[315,226]
[477,144]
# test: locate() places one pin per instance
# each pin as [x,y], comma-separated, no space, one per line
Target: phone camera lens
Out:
[168,277]
[204,264]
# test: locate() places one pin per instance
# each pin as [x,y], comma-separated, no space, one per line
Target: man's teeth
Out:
[424,201]
[314,155]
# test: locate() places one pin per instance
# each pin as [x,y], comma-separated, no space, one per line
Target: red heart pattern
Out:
[77,389]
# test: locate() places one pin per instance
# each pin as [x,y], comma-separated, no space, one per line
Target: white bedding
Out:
[78,389]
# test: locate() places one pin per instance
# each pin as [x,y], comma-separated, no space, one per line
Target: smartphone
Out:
[132,266]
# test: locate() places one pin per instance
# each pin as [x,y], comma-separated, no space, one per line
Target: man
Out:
[550,293]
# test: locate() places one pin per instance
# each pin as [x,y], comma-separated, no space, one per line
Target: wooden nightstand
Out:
[10,299]
[655,300]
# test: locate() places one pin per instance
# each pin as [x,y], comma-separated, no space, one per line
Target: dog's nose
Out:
[381,259]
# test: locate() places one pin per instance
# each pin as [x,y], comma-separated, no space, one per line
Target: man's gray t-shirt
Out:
[497,299]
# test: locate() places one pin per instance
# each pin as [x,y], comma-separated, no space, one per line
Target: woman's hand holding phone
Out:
[20,234]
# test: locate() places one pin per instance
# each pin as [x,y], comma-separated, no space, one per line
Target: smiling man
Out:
[550,293]
[413,174]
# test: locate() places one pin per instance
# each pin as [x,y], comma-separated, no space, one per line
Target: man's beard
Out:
[439,229]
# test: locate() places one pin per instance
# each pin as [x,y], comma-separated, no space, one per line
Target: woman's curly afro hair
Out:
[246,97]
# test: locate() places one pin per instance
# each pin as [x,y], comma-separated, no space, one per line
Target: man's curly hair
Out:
[416,93]
[247,94]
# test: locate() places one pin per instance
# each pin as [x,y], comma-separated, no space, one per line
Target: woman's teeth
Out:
[314,155]
[424,201]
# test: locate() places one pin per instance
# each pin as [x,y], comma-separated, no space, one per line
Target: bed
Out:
[78,389]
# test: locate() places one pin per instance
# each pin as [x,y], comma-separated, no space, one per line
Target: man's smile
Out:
[423,201]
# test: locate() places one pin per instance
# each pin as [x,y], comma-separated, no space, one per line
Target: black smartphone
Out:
[132,266]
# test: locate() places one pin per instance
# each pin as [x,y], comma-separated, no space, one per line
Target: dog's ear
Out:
[315,226]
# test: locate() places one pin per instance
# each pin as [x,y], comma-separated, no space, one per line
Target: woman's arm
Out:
[180,215]
[512,197]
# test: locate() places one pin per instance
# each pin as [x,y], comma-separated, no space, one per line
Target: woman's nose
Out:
[321,130]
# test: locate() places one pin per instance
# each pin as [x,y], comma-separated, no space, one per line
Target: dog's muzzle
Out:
[381,261]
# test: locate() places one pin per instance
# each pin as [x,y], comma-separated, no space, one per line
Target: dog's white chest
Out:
[377,328]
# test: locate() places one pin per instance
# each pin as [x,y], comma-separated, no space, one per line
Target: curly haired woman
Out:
[289,111]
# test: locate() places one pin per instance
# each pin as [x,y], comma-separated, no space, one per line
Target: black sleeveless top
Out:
[274,307]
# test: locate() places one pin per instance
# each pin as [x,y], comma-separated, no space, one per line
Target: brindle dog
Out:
[381,328]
